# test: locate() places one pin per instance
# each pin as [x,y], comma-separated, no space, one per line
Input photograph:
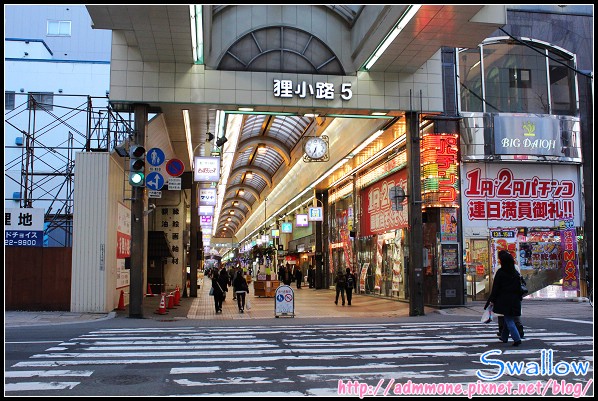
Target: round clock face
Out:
[315,148]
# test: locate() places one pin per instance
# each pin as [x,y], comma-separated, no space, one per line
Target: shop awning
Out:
[157,245]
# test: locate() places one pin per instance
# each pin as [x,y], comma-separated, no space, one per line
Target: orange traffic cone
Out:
[162,309]
[149,291]
[177,296]
[170,301]
[121,301]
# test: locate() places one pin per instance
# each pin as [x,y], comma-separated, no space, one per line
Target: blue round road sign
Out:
[154,181]
[175,167]
[155,157]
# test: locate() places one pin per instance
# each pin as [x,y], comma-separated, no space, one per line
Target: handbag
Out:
[487,315]
[248,303]
[211,291]
[523,285]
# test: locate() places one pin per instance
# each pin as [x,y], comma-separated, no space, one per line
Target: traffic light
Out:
[137,166]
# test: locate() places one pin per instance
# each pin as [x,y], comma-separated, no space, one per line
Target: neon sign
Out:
[439,170]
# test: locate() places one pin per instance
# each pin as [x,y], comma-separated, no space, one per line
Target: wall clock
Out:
[316,148]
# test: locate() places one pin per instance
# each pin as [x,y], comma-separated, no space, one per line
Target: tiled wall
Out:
[133,80]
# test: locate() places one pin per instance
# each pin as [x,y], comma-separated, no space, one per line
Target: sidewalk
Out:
[308,303]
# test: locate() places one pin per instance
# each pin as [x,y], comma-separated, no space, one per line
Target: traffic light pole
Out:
[137,223]
[416,232]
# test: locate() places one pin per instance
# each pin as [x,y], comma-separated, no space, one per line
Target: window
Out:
[9,100]
[520,78]
[517,78]
[42,100]
[59,28]
[471,80]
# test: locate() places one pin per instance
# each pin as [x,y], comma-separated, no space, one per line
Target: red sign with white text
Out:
[529,195]
[377,214]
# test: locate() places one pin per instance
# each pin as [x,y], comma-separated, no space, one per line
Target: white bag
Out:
[487,315]
[248,303]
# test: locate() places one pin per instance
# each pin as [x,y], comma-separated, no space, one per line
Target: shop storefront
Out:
[531,210]
[521,176]
[367,232]
[382,230]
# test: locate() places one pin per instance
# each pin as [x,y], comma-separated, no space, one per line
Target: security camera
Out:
[151,208]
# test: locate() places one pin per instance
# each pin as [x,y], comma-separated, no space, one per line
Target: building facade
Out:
[428,152]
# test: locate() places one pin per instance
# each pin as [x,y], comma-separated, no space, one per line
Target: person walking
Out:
[298,276]
[240,288]
[288,275]
[218,291]
[311,276]
[223,280]
[505,296]
[350,279]
[340,281]
[517,319]
[281,270]
[232,271]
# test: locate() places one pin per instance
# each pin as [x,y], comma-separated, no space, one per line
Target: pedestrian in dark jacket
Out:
[218,292]
[298,276]
[224,281]
[288,275]
[340,282]
[240,288]
[505,296]
[311,276]
[350,284]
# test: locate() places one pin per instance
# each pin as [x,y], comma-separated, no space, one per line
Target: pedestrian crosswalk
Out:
[282,360]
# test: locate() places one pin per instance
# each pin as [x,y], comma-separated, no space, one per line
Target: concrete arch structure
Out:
[238,199]
[249,188]
[230,223]
[239,219]
[256,170]
[225,210]
[274,143]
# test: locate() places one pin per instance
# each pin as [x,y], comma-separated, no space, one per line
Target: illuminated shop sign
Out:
[286,88]
[206,169]
[315,214]
[207,196]
[205,210]
[301,220]
[439,170]
[377,211]
[205,220]
[535,195]
[527,135]
[286,227]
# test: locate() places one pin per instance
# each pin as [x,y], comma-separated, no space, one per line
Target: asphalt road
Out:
[446,352]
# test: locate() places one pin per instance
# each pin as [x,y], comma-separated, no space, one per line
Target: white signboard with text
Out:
[206,169]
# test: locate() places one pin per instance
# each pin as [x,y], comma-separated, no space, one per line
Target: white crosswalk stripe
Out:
[315,357]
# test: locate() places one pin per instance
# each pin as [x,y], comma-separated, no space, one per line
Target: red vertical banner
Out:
[570,260]
[440,169]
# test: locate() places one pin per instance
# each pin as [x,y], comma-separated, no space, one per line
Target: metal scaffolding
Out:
[42,160]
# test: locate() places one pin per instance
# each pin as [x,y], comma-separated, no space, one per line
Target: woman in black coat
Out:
[241,289]
[220,285]
[505,296]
